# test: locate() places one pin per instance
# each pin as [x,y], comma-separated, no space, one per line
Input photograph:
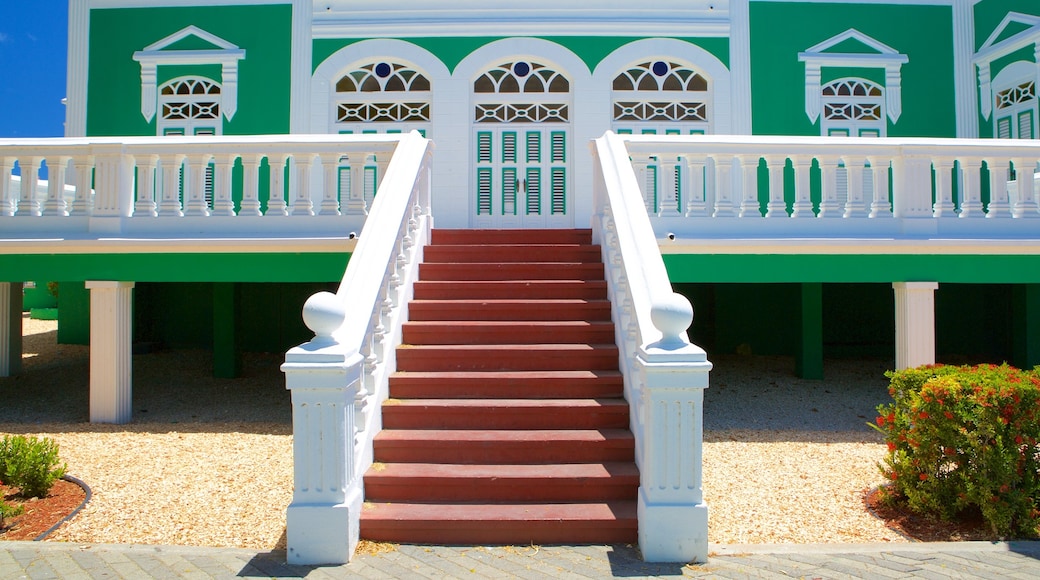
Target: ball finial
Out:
[672,315]
[323,313]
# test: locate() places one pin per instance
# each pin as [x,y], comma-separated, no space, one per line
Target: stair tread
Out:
[615,511]
[477,404]
[506,375]
[508,435]
[504,471]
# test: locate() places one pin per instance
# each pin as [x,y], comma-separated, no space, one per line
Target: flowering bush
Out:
[965,436]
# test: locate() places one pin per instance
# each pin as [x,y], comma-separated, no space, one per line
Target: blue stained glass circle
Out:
[521,69]
[383,70]
[660,68]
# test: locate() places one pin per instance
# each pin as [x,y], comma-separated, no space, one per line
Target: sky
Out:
[33,44]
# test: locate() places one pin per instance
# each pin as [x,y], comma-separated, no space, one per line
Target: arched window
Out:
[190,106]
[1015,102]
[379,93]
[649,96]
[853,107]
[521,92]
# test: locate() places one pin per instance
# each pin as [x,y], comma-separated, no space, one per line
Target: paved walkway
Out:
[45,560]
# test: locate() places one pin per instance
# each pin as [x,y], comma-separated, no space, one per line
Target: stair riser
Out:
[447,359]
[504,418]
[500,453]
[511,254]
[502,533]
[508,311]
[533,236]
[450,333]
[378,489]
[533,271]
[406,386]
[506,290]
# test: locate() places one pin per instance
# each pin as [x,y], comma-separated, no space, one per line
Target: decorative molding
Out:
[226,54]
[992,49]
[886,57]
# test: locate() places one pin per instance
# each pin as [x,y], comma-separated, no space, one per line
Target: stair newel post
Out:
[323,376]
[673,518]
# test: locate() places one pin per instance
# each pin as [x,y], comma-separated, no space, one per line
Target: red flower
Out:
[948,414]
[923,476]
[880,421]
[891,446]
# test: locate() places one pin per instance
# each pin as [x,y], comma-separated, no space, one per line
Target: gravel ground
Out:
[208,462]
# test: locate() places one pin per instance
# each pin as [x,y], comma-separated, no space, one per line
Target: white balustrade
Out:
[201,182]
[340,378]
[664,375]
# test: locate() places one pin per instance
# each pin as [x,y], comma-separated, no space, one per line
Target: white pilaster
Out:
[111,333]
[673,518]
[964,71]
[324,519]
[740,65]
[299,92]
[78,61]
[10,328]
[915,323]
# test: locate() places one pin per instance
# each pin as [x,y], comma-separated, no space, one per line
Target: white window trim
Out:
[886,57]
[226,55]
[992,50]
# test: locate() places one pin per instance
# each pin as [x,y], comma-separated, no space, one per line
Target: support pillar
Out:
[10,328]
[111,334]
[1026,325]
[808,363]
[227,358]
[915,323]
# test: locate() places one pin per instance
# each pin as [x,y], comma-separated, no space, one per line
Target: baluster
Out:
[276,205]
[356,201]
[696,204]
[776,207]
[943,207]
[171,184]
[971,196]
[7,200]
[880,206]
[361,402]
[330,194]
[999,206]
[829,206]
[28,203]
[145,206]
[724,188]
[83,203]
[223,205]
[195,185]
[56,204]
[749,206]
[802,206]
[855,205]
[303,204]
[1025,204]
[641,165]
[250,205]
[668,183]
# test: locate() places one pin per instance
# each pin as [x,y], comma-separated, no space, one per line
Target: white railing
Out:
[664,375]
[872,187]
[201,185]
[340,378]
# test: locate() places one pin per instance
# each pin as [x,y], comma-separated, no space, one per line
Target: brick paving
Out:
[55,560]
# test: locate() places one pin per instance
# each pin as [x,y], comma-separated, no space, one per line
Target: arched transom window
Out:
[659,92]
[382,92]
[521,92]
[189,106]
[853,107]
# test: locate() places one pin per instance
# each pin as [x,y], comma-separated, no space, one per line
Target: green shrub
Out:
[30,464]
[9,511]
[964,437]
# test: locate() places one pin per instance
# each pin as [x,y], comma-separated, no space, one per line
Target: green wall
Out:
[779,31]
[114,81]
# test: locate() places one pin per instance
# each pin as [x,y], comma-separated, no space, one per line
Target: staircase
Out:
[506,422]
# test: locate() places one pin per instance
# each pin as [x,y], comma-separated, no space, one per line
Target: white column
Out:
[111,332]
[740,65]
[10,328]
[964,77]
[323,521]
[673,518]
[915,323]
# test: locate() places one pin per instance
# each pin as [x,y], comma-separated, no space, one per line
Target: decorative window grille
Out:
[511,81]
[1023,93]
[660,92]
[189,102]
[382,92]
[853,107]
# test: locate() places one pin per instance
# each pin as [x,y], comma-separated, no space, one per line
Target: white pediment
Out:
[212,39]
[998,42]
[852,34]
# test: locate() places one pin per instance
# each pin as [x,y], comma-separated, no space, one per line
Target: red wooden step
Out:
[504,447]
[510,289]
[489,523]
[507,332]
[532,236]
[505,414]
[513,310]
[511,483]
[522,271]
[507,357]
[507,384]
[512,253]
